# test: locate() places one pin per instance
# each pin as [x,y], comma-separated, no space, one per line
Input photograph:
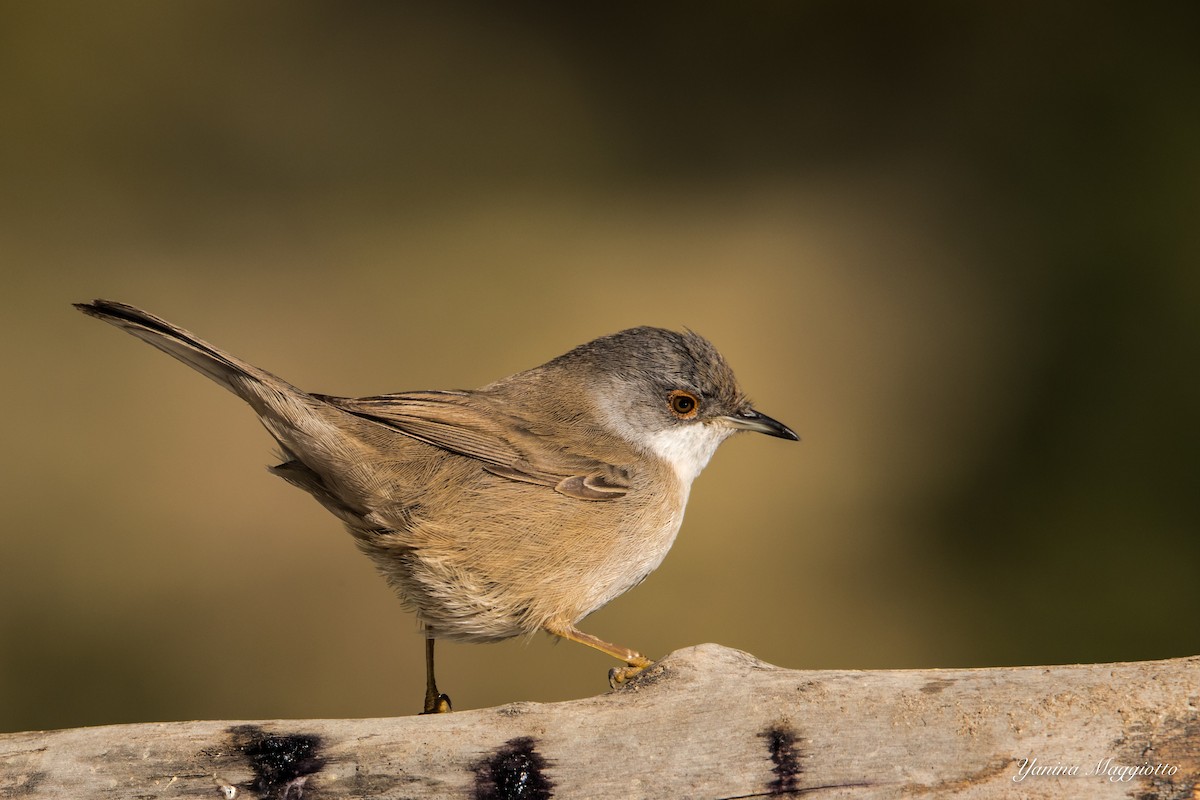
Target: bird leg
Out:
[435,701]
[635,661]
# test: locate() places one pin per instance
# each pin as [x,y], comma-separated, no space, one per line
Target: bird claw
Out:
[618,676]
[437,704]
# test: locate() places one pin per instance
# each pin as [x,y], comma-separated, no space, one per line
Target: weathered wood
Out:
[706,722]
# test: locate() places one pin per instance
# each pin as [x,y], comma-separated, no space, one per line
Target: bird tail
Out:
[317,439]
[244,380]
[295,418]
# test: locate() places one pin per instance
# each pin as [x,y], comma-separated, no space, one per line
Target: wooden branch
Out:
[706,722]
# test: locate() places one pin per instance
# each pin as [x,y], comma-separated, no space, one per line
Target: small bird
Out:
[521,506]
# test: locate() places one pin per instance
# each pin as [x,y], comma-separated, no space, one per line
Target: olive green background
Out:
[955,246]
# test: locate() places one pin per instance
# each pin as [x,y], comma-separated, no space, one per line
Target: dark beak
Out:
[751,420]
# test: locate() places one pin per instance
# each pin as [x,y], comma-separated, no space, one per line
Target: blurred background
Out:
[955,246]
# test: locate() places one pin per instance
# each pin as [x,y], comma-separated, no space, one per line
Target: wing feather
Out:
[466,424]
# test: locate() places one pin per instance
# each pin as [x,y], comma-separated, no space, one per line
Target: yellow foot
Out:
[618,676]
[635,662]
[437,704]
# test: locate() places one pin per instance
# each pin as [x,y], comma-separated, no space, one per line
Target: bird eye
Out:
[684,405]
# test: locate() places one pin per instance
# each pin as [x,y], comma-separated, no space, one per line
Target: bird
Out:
[518,507]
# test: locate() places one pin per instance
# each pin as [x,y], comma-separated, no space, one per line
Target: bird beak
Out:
[751,420]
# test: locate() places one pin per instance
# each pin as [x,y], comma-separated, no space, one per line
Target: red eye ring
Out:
[684,405]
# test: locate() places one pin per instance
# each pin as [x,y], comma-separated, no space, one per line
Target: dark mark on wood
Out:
[785,755]
[936,686]
[21,785]
[781,743]
[1175,740]
[515,772]
[282,764]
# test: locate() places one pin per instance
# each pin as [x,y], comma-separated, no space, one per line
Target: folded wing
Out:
[508,446]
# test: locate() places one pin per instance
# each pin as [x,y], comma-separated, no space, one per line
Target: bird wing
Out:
[508,446]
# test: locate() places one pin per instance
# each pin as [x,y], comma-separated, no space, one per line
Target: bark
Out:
[705,722]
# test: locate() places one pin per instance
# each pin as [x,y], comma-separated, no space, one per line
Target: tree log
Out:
[705,722]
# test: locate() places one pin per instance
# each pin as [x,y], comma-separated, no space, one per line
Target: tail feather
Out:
[328,452]
[198,354]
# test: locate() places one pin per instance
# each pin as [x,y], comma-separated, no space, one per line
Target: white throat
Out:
[687,448]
